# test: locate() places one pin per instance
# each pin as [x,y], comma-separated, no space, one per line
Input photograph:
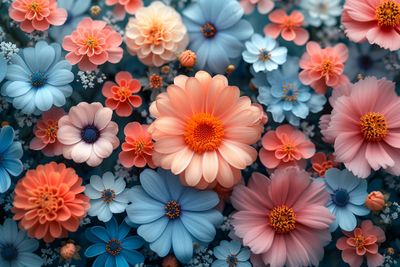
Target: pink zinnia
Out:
[363,242]
[93,43]
[283,218]
[37,14]
[88,134]
[377,21]
[323,67]
[263,6]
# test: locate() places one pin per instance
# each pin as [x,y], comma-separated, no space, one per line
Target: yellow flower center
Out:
[51,130]
[326,67]
[91,42]
[359,241]
[373,126]
[388,14]
[282,219]
[34,7]
[155,34]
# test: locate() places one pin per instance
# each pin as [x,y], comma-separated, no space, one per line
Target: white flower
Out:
[107,196]
[318,12]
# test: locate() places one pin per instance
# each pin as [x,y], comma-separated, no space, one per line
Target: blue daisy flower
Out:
[113,246]
[171,215]
[38,79]
[216,30]
[230,254]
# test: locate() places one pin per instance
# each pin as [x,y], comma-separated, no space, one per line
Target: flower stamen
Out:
[373,126]
[282,219]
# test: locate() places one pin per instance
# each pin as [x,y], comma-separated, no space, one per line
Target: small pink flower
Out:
[289,26]
[93,43]
[122,6]
[37,14]
[263,6]
[88,134]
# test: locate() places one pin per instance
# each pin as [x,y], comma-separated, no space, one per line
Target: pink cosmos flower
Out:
[362,243]
[122,6]
[45,132]
[289,26]
[284,219]
[37,14]
[88,134]
[323,67]
[365,126]
[285,146]
[93,43]
[375,21]
[263,6]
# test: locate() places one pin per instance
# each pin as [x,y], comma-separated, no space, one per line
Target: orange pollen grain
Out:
[373,126]
[35,7]
[282,219]
[91,42]
[388,14]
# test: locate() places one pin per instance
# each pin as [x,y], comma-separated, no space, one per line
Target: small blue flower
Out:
[171,215]
[38,79]
[231,254]
[3,67]
[10,155]
[16,247]
[348,194]
[216,30]
[264,53]
[112,245]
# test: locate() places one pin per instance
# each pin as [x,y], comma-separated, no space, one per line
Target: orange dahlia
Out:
[49,202]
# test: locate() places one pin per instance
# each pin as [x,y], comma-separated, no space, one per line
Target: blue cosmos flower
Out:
[216,30]
[171,215]
[38,79]
[3,67]
[264,53]
[16,247]
[231,254]
[285,96]
[112,245]
[10,155]
[348,198]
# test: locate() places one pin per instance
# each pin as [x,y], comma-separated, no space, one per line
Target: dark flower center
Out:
[208,30]
[340,197]
[113,247]
[108,195]
[172,209]
[38,79]
[90,134]
[365,62]
[9,252]
[231,260]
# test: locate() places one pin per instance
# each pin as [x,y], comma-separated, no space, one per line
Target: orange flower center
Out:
[282,219]
[34,7]
[290,92]
[155,81]
[48,202]
[208,30]
[91,42]
[172,209]
[373,126]
[388,14]
[264,55]
[51,131]
[326,67]
[108,195]
[156,33]
[123,93]
[204,132]
[359,242]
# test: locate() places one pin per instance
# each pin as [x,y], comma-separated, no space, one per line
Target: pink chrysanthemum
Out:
[263,6]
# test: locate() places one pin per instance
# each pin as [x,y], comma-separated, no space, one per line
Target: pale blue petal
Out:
[194,200]
[43,99]
[5,180]
[199,227]
[162,245]
[152,231]
[243,255]
[241,30]
[182,242]
[18,88]
[154,185]
[300,110]
[174,186]
[346,219]
[17,73]
[357,209]
[230,14]
[60,77]
[13,166]
[29,259]
[6,138]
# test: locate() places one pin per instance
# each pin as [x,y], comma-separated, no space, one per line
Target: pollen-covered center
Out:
[373,126]
[51,131]
[172,209]
[108,195]
[388,14]
[204,132]
[264,55]
[282,219]
[208,30]
[359,242]
[326,67]
[34,7]
[91,42]
[155,34]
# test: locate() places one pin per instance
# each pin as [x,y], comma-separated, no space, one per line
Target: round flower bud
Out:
[375,201]
[188,59]
[68,251]
[170,261]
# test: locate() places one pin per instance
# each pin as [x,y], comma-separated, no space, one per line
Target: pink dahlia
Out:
[263,6]
[283,218]
[122,6]
[375,21]
[88,134]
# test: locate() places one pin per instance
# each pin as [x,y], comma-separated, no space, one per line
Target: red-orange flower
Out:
[322,162]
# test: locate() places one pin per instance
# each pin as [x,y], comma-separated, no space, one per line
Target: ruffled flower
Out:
[122,6]
[263,6]
[321,162]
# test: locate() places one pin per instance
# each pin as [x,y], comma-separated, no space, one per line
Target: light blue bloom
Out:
[230,254]
[216,30]
[10,155]
[16,248]
[264,53]
[348,195]
[285,96]
[38,79]
[171,215]
[113,246]
[3,67]
[319,12]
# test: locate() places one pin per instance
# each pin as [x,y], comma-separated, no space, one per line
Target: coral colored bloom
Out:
[137,150]
[323,67]
[321,162]
[88,134]
[204,130]
[49,202]
[45,132]
[362,243]
[93,43]
[375,21]
[283,218]
[120,96]
[187,58]
[263,6]
[37,14]
[122,6]
[285,146]
[375,201]
[289,26]
[365,127]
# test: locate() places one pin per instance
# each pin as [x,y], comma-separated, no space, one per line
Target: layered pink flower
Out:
[288,26]
[362,243]
[122,6]
[375,21]
[285,146]
[93,43]
[323,67]
[284,219]
[37,14]
[88,134]
[365,126]
[263,6]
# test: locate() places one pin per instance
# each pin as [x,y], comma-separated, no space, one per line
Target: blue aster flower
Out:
[264,53]
[216,30]
[285,96]
[38,79]
[10,155]
[113,246]
[16,248]
[230,254]
[348,194]
[171,215]
[3,67]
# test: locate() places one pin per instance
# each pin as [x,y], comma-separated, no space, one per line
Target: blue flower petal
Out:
[346,219]
[154,185]
[112,228]
[195,14]
[174,186]
[18,88]
[60,77]
[199,227]
[182,242]
[13,166]
[6,138]
[110,262]
[101,260]
[29,259]
[5,180]
[17,73]
[14,151]
[101,233]
[29,59]
[43,99]
[123,230]
[44,56]
[243,255]
[151,231]
[241,30]
[143,208]
[162,245]
[132,242]
[121,261]
[300,110]
[359,210]
[193,200]
[95,250]
[229,15]
[133,257]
